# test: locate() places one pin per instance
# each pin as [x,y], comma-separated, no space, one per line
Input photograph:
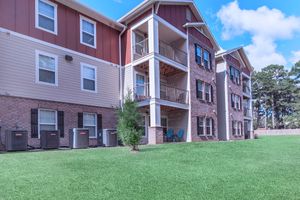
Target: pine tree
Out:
[129,120]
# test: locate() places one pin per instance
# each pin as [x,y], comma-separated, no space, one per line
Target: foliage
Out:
[276,95]
[129,120]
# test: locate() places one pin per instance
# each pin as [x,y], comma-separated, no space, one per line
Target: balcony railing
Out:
[172,53]
[173,94]
[246,89]
[167,93]
[140,49]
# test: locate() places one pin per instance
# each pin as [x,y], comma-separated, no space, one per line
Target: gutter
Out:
[120,65]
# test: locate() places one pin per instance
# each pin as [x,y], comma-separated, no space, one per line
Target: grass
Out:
[267,168]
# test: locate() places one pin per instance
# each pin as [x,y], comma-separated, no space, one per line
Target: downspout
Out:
[120,67]
[227,115]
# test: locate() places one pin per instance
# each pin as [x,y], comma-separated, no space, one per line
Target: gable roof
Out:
[148,3]
[241,52]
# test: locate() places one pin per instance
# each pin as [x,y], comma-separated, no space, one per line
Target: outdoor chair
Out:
[170,135]
[179,136]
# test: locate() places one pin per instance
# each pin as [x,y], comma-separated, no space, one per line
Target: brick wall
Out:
[234,115]
[17,112]
[198,72]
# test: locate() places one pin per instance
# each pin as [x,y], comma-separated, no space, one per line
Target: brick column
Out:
[155,135]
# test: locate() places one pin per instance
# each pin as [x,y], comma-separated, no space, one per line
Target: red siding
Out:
[205,40]
[175,15]
[19,16]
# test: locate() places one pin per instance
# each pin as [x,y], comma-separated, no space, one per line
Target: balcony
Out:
[172,94]
[140,50]
[172,53]
[246,89]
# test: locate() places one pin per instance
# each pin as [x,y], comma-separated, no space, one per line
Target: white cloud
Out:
[295,56]
[265,27]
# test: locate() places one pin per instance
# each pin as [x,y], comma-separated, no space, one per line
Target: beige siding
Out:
[128,79]
[18,75]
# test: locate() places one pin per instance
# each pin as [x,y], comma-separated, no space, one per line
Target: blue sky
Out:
[241,22]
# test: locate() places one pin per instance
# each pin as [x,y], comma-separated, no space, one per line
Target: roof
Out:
[147,3]
[76,5]
[242,54]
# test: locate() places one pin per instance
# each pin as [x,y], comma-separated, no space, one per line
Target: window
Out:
[236,102]
[206,59]
[140,85]
[200,123]
[235,75]
[143,125]
[237,128]
[208,92]
[87,32]
[46,68]
[46,16]
[209,126]
[198,54]
[188,15]
[89,122]
[88,78]
[199,88]
[47,120]
[164,124]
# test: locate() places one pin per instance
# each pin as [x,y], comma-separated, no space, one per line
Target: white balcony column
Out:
[154,87]
[153,41]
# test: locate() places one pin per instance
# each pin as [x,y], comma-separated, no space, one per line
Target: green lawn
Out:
[267,168]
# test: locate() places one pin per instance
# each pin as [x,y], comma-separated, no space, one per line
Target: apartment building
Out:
[64,65]
[169,64]
[234,95]
[59,68]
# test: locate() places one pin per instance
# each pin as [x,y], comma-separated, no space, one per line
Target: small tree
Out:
[129,120]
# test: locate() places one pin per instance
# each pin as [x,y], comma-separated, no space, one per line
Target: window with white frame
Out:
[205,126]
[206,59]
[90,122]
[46,66]
[209,126]
[199,88]
[198,54]
[140,84]
[47,120]
[236,102]
[240,133]
[88,78]
[237,128]
[87,32]
[208,92]
[143,125]
[46,16]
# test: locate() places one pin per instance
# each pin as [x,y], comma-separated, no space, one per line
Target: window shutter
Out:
[34,123]
[198,130]
[60,123]
[212,93]
[99,123]
[232,100]
[196,56]
[197,89]
[213,126]
[80,120]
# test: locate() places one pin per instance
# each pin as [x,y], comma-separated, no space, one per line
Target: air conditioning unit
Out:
[16,140]
[110,138]
[49,139]
[79,138]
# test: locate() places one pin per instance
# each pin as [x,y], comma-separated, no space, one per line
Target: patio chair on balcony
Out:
[179,136]
[170,137]
[180,98]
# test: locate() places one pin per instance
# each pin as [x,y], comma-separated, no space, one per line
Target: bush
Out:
[129,120]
